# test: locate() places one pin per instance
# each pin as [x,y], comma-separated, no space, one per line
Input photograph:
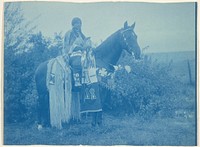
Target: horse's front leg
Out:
[97,118]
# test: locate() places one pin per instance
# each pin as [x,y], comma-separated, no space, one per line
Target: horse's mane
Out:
[101,49]
[109,51]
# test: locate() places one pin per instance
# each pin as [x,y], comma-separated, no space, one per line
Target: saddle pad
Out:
[90,98]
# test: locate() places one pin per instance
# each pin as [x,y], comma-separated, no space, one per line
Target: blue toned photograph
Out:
[100,73]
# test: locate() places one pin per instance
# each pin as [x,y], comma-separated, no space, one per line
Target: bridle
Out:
[129,48]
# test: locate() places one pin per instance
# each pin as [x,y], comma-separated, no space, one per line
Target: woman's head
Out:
[76,24]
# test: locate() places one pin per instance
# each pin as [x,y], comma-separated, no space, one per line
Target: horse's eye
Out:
[127,37]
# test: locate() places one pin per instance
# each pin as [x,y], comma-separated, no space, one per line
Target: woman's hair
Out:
[76,20]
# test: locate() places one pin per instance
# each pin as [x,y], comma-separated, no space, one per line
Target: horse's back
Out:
[40,77]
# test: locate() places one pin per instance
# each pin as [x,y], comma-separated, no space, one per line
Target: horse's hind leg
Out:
[43,95]
[43,110]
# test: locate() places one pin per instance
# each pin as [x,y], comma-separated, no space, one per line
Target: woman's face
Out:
[77,26]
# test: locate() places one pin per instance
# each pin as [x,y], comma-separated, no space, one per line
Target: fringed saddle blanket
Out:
[59,85]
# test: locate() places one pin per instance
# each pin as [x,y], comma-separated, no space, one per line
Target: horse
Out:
[106,55]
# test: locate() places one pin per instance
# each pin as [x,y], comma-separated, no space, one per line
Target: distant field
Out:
[175,56]
[179,63]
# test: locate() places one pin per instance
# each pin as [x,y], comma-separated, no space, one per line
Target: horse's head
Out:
[109,51]
[128,40]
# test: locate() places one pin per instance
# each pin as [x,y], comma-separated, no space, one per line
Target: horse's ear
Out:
[133,25]
[126,25]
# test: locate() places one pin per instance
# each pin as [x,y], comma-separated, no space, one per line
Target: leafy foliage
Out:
[146,91]
[16,30]
[23,52]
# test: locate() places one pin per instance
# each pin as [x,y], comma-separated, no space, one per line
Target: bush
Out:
[20,96]
[146,91]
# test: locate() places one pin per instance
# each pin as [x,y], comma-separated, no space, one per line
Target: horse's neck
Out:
[110,50]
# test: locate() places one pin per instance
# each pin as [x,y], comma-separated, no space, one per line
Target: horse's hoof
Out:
[100,124]
[39,127]
[93,125]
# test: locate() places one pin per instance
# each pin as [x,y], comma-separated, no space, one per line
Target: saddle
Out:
[83,68]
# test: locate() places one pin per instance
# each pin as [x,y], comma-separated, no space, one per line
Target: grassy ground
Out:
[115,131]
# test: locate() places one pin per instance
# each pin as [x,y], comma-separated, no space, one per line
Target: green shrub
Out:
[20,95]
[146,91]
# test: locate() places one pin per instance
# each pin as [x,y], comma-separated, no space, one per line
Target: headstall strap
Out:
[125,30]
[124,38]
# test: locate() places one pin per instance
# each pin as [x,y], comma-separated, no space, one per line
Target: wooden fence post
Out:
[189,69]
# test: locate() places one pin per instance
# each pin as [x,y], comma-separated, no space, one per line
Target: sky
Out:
[164,27]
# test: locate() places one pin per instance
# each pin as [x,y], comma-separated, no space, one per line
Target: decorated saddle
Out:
[84,79]
[83,66]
